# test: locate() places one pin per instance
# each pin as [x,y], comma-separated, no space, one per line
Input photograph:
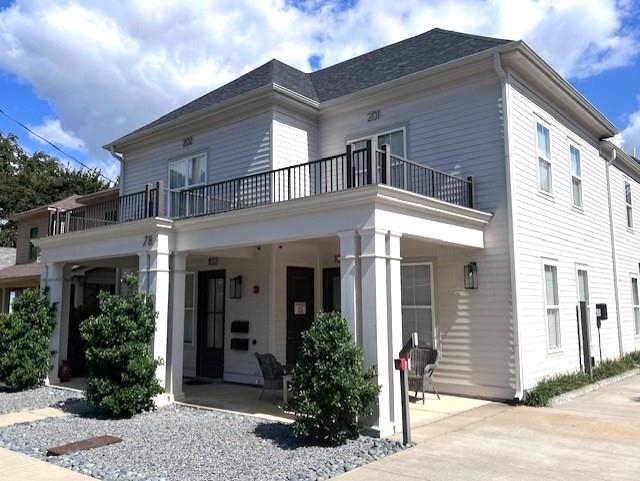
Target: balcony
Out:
[350,170]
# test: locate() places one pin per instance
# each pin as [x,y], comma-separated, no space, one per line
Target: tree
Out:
[331,389]
[32,180]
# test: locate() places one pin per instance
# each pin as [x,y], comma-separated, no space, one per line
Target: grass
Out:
[550,387]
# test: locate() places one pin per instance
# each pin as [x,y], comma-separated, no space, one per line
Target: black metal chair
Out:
[422,363]
[272,372]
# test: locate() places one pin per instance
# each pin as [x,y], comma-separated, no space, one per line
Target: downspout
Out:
[506,107]
[613,250]
[120,158]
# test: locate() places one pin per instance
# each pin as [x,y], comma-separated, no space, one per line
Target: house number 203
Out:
[373,115]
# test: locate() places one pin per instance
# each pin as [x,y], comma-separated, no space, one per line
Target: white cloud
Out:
[52,130]
[630,136]
[109,67]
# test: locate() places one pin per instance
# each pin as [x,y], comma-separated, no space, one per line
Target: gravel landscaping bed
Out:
[38,398]
[179,443]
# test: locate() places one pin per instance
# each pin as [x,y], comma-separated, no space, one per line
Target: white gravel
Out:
[179,443]
[38,398]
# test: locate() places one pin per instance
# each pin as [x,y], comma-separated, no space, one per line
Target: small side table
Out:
[286,379]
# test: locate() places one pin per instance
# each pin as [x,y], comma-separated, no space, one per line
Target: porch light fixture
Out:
[471,276]
[235,287]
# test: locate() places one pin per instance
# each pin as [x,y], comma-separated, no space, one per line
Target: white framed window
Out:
[635,299]
[552,306]
[629,203]
[189,306]
[417,302]
[576,176]
[184,174]
[396,139]
[543,140]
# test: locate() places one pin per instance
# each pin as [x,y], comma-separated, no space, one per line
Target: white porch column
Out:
[176,358]
[52,279]
[375,335]
[154,279]
[349,277]
[394,309]
[65,310]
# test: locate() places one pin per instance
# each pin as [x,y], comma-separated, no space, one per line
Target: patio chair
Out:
[272,371]
[422,362]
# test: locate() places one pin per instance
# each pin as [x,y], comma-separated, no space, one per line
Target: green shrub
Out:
[25,333]
[331,390]
[553,386]
[121,380]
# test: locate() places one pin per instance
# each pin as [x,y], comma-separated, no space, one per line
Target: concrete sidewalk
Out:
[20,467]
[595,437]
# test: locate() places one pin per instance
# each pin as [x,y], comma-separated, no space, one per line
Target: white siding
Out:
[458,130]
[235,149]
[550,227]
[627,252]
[294,138]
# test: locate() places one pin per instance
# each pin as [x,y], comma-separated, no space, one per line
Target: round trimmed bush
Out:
[331,390]
[25,358]
[121,380]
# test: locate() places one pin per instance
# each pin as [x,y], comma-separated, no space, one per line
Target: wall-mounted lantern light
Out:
[471,276]
[235,287]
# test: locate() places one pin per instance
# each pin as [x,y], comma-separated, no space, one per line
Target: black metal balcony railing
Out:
[349,170]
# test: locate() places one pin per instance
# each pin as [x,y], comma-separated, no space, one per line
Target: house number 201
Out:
[373,115]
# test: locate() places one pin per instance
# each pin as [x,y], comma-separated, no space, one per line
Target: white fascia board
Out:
[103,242]
[522,50]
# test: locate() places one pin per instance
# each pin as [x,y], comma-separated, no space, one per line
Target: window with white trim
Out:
[396,140]
[629,203]
[417,302]
[636,305]
[189,306]
[545,183]
[184,174]
[576,176]
[552,306]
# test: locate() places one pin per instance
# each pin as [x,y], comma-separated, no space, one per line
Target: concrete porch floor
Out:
[243,399]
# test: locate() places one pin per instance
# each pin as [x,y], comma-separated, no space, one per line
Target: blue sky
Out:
[84,73]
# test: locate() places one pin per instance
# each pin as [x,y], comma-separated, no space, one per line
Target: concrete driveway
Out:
[594,437]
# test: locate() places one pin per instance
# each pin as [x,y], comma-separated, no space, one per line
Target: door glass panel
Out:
[219,328]
[211,335]
[583,286]
[219,295]
[336,293]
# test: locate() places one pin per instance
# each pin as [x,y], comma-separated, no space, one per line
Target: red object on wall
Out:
[256,289]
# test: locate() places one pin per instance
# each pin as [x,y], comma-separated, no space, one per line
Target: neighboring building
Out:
[85,281]
[26,271]
[460,193]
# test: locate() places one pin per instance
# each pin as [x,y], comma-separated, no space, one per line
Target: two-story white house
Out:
[448,184]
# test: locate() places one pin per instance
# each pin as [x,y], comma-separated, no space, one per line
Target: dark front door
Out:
[331,289]
[300,308]
[211,298]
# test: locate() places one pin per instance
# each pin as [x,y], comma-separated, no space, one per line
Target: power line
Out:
[75,159]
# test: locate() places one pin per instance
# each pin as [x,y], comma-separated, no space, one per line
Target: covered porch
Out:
[239,283]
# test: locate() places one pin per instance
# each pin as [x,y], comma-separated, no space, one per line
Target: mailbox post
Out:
[401,366]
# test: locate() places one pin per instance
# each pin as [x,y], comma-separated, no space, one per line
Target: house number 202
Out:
[373,115]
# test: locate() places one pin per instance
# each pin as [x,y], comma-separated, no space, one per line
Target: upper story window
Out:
[628,201]
[552,306]
[33,250]
[184,174]
[576,176]
[188,172]
[396,140]
[544,158]
[636,305]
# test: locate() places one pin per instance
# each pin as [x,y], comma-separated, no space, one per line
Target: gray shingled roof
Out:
[424,51]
